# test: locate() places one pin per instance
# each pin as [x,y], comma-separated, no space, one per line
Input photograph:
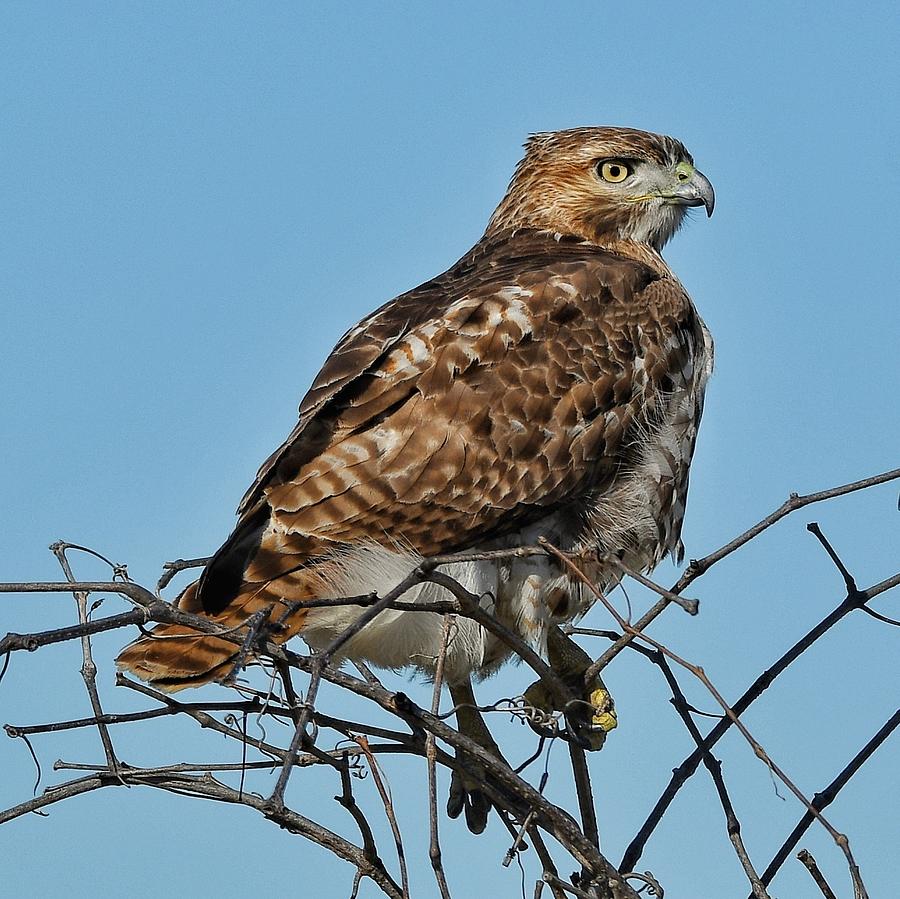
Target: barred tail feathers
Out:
[173,657]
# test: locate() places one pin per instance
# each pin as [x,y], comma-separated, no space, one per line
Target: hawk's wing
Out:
[465,409]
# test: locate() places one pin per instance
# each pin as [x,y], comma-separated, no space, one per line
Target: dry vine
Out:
[291,694]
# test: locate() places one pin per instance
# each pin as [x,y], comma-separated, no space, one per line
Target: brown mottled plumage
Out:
[550,382]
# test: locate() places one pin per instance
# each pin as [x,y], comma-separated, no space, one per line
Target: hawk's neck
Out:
[640,252]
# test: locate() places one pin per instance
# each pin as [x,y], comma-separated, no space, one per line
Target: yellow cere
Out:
[684,171]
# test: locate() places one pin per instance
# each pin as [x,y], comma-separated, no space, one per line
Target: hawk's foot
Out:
[589,717]
[603,715]
[466,783]
[466,795]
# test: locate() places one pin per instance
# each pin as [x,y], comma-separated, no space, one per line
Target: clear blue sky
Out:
[197,200]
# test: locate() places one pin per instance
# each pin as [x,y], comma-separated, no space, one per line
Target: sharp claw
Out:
[457,798]
[469,799]
[477,809]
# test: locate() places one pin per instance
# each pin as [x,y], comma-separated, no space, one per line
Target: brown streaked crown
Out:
[556,188]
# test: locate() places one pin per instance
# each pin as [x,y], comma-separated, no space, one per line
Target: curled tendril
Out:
[651,884]
[519,707]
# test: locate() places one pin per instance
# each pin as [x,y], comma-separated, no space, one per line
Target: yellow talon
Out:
[604,716]
[606,721]
[591,714]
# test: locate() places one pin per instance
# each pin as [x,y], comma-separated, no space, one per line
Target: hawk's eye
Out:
[613,170]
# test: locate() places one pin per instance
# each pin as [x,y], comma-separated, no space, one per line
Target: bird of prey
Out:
[549,383]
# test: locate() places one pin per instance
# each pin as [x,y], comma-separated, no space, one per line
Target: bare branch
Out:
[30,642]
[816,874]
[434,847]
[385,794]
[285,818]
[691,606]
[346,799]
[826,797]
[523,808]
[714,766]
[582,778]
[58,794]
[839,838]
[791,504]
[88,668]
[682,773]
[170,569]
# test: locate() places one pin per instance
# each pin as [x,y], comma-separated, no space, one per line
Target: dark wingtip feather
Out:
[223,576]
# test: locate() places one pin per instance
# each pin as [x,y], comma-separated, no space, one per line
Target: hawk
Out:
[549,383]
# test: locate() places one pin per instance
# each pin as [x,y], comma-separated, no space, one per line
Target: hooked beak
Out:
[695,191]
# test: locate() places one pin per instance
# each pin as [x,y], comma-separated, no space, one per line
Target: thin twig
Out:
[697,567]
[348,801]
[170,569]
[816,874]
[840,839]
[791,504]
[201,717]
[691,606]
[824,798]
[714,766]
[434,845]
[546,860]
[849,582]
[57,794]
[106,719]
[301,737]
[582,779]
[554,881]
[385,793]
[88,668]
[30,642]
[292,821]
[683,772]
[179,768]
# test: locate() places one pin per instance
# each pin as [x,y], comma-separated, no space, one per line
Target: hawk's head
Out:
[604,184]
